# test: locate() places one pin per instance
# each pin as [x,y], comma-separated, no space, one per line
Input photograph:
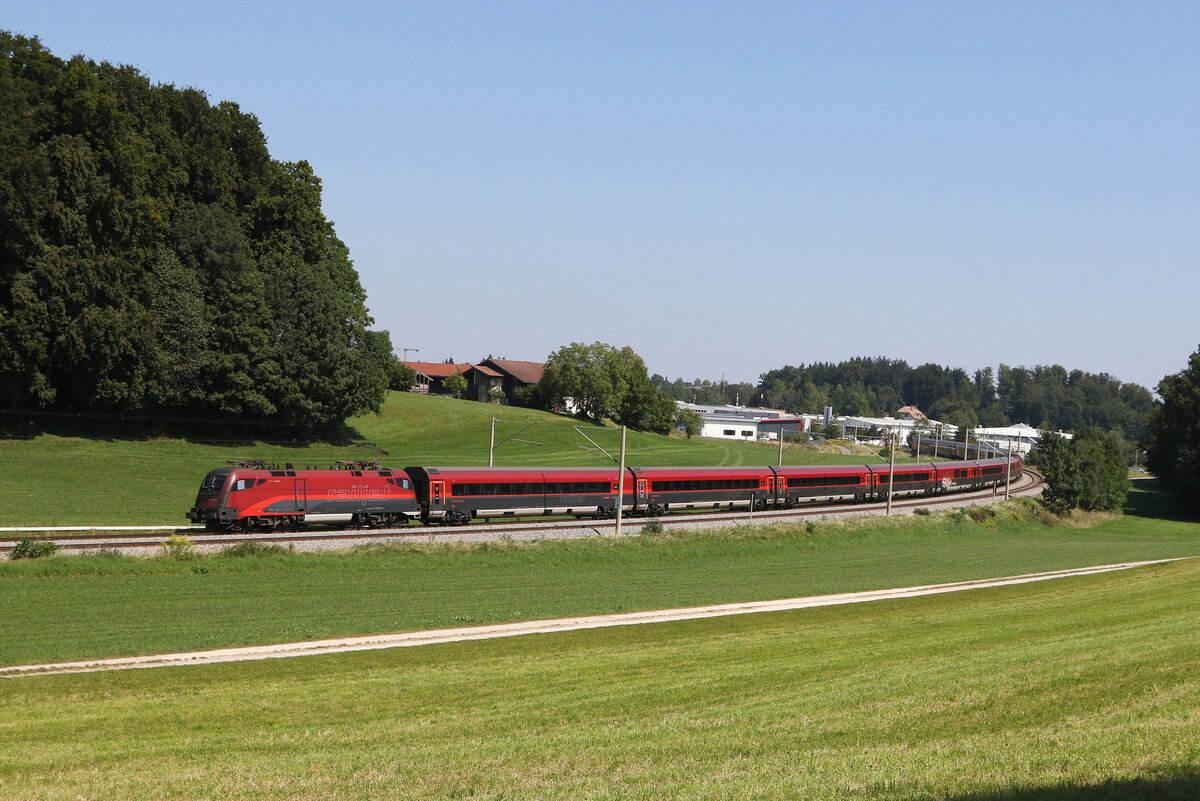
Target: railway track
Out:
[1028,483]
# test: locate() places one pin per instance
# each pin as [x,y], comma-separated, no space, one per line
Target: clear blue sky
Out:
[727,187]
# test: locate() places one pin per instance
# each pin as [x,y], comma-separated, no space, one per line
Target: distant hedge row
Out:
[154,258]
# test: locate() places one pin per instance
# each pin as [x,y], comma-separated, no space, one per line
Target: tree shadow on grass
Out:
[1168,786]
[232,434]
[1148,499]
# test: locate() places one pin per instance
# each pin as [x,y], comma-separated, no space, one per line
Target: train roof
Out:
[479,473]
[699,471]
[276,470]
[822,469]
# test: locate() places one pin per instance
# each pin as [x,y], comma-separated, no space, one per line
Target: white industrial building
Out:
[1020,438]
[749,423]
[730,422]
[875,430]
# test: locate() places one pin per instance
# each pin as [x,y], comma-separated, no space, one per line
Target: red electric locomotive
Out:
[254,495]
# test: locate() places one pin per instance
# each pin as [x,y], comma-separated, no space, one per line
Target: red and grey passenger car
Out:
[906,479]
[663,489]
[826,483]
[460,494]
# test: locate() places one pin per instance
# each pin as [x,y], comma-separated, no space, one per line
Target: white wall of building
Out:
[730,429]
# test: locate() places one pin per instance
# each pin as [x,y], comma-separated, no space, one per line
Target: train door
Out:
[436,491]
[641,492]
[301,495]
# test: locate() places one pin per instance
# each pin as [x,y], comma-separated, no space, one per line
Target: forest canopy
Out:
[154,258]
[1049,396]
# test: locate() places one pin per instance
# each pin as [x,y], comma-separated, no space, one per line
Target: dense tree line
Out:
[154,258]
[1042,396]
[1173,449]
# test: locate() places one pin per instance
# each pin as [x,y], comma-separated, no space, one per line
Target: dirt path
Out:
[436,636]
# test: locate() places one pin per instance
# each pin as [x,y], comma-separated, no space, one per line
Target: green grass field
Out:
[58,481]
[80,607]
[1075,689]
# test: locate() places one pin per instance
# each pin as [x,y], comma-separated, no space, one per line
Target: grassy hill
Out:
[51,480]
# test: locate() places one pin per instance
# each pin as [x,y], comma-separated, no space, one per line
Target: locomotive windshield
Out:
[213,482]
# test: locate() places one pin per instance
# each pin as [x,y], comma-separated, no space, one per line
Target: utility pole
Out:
[781,447]
[1008,469]
[621,482]
[620,467]
[512,438]
[492,443]
[892,473]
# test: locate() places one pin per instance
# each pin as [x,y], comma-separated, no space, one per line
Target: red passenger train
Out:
[255,496]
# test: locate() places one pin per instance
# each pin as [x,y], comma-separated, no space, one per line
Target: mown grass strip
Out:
[1079,689]
[550,626]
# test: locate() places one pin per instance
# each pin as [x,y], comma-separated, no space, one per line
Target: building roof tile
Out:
[525,372]
[437,369]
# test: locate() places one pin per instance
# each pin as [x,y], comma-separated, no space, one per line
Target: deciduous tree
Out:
[154,258]
[606,382]
[1087,472]
[1173,446]
[455,384]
